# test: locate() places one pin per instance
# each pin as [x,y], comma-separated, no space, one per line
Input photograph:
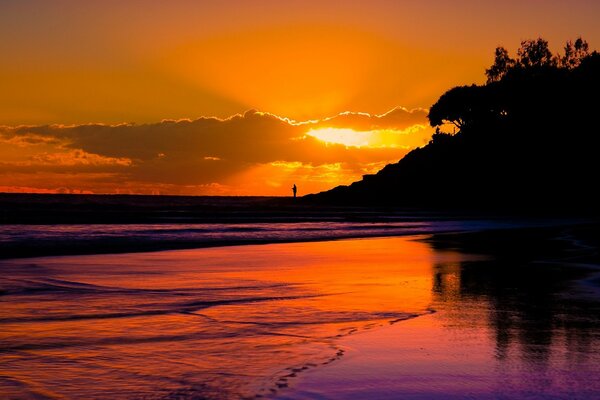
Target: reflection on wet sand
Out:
[522,321]
[533,295]
[215,323]
[297,320]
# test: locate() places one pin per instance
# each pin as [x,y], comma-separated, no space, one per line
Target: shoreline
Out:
[288,377]
[73,240]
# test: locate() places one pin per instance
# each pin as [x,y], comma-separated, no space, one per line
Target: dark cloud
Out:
[197,152]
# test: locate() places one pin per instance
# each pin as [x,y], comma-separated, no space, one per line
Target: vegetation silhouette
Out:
[527,139]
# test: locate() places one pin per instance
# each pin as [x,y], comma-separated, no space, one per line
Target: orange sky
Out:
[114,62]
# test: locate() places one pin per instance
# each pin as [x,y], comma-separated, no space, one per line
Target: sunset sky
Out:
[240,97]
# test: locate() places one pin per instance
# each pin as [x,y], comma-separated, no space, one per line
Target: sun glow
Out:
[377,138]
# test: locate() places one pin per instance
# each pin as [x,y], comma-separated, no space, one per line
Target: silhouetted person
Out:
[294,190]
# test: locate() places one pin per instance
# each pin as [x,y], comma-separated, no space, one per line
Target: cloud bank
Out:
[254,153]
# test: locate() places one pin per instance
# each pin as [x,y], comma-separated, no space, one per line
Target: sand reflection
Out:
[220,322]
[521,323]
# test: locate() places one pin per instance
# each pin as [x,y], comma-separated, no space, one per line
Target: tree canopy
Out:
[535,53]
[502,64]
[463,106]
[575,53]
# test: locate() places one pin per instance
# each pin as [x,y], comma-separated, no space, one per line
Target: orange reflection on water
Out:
[503,328]
[234,320]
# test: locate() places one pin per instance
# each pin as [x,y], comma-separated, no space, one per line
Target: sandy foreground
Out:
[481,314]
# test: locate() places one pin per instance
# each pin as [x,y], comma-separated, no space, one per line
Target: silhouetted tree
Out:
[535,53]
[457,106]
[502,64]
[574,53]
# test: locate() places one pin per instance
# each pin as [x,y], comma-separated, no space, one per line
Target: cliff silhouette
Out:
[527,139]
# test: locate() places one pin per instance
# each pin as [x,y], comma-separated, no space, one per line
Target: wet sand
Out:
[221,323]
[524,323]
[440,356]
[499,314]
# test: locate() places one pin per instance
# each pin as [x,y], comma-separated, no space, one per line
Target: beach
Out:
[412,317]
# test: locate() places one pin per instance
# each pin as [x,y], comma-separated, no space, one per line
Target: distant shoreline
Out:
[70,240]
[61,225]
[48,209]
[19,208]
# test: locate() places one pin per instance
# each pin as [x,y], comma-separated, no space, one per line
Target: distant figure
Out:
[294,190]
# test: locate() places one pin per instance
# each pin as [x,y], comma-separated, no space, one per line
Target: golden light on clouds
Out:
[393,138]
[256,153]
